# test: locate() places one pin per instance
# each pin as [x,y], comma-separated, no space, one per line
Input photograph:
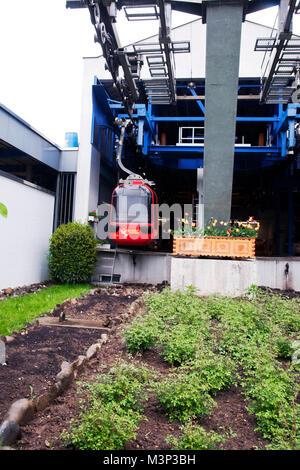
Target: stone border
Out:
[23,411]
[12,292]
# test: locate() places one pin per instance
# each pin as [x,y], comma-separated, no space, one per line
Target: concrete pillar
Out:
[200,215]
[223,36]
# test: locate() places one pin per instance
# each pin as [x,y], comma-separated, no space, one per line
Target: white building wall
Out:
[24,234]
[87,183]
[192,65]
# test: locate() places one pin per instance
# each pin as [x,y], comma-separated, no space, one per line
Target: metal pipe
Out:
[123,125]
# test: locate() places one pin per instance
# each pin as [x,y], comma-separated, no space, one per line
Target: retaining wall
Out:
[134,266]
[233,277]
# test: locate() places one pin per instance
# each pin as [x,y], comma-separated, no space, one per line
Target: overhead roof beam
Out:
[165,13]
[284,34]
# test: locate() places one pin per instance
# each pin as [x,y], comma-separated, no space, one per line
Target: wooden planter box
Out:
[231,247]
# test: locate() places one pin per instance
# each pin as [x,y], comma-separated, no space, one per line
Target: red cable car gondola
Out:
[134,207]
[134,214]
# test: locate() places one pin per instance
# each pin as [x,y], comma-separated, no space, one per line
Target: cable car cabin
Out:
[134,214]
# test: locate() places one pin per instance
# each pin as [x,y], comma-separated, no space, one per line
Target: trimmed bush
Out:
[72,253]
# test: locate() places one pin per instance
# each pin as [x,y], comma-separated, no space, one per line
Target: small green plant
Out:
[141,334]
[179,343]
[72,253]
[32,393]
[111,410]
[93,214]
[124,384]
[103,427]
[284,348]
[195,437]
[184,397]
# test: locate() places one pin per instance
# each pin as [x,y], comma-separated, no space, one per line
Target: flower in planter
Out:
[93,214]
[214,228]
[247,229]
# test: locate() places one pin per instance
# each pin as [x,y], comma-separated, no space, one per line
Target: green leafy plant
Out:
[111,409]
[33,395]
[284,347]
[179,343]
[254,335]
[93,214]
[103,427]
[232,228]
[195,437]
[3,210]
[124,384]
[142,333]
[184,397]
[72,253]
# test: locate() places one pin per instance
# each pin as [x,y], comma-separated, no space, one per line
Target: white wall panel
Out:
[24,234]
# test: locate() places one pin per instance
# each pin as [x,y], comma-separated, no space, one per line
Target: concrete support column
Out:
[223,36]
[200,214]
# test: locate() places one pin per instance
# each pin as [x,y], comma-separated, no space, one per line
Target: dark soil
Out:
[34,357]
[288,293]
[45,430]
[33,360]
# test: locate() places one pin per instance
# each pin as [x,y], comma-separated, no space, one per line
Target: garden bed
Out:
[229,417]
[45,431]
[35,355]
[34,359]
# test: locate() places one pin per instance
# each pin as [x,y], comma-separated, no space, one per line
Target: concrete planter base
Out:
[230,247]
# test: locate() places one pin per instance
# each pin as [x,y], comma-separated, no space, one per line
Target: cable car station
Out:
[204,115]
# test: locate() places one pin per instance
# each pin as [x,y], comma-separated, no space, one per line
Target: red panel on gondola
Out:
[134,214]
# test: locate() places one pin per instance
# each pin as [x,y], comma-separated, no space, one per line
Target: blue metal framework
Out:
[279,119]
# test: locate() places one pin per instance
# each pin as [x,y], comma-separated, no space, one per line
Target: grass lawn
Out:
[15,312]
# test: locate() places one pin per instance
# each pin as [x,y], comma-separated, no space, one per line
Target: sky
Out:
[41,48]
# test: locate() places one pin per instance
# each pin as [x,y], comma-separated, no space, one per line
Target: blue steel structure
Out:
[278,121]
[281,123]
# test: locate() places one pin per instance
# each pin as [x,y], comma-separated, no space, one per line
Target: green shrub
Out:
[216,372]
[179,343]
[103,428]
[142,333]
[184,396]
[72,253]
[111,409]
[195,437]
[284,348]
[125,384]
